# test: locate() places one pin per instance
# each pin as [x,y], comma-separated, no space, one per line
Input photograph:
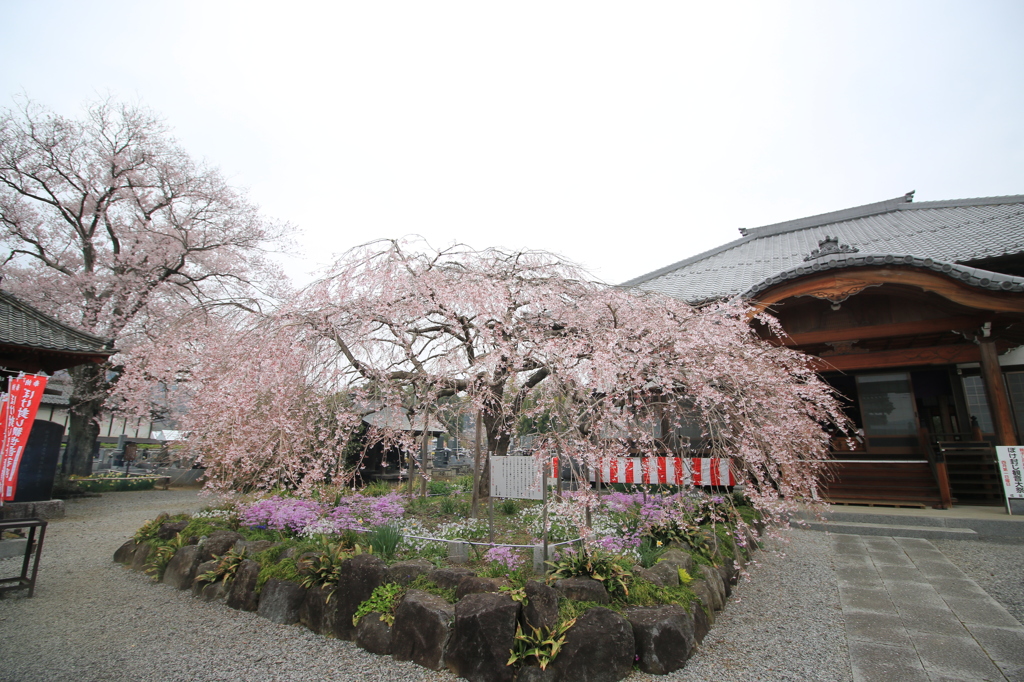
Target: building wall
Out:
[111,426]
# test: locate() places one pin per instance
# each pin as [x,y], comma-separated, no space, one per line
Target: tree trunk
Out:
[84,429]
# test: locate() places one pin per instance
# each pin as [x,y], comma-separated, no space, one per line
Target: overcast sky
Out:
[624,136]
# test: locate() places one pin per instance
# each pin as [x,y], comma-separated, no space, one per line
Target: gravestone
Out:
[39,462]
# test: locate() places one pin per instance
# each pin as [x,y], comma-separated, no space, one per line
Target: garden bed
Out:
[394,576]
[115,481]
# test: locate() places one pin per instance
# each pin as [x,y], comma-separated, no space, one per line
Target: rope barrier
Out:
[491,544]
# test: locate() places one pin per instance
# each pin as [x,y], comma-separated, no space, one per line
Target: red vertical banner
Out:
[18,415]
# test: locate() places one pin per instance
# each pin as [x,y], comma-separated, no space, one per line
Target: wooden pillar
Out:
[995,391]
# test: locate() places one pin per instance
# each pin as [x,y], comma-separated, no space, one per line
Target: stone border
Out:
[473,637]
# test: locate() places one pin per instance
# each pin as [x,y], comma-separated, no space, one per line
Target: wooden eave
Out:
[839,285]
[937,341]
[28,359]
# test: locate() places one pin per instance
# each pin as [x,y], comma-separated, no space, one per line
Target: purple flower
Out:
[278,513]
[505,556]
[358,512]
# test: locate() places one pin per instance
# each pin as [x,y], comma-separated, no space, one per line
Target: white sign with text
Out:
[516,477]
[1010,466]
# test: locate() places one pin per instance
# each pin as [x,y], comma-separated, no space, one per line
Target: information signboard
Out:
[516,477]
[1010,474]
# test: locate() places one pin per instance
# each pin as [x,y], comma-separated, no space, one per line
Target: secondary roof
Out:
[954,237]
[32,341]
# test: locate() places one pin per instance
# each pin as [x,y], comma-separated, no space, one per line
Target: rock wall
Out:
[473,637]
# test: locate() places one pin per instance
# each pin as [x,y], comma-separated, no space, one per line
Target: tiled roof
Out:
[23,325]
[939,235]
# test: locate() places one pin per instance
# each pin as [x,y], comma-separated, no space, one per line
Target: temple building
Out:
[914,312]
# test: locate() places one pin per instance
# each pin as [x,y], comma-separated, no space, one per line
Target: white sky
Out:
[624,136]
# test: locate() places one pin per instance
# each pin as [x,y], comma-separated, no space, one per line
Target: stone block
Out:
[716,585]
[318,612]
[449,577]
[482,637]
[583,589]
[141,556]
[474,585]
[677,558]
[241,593]
[181,569]
[168,530]
[422,626]
[360,576]
[252,547]
[704,593]
[125,552]
[404,572]
[218,543]
[541,609]
[663,635]
[534,674]
[280,601]
[661,574]
[374,635]
[702,621]
[598,648]
[458,552]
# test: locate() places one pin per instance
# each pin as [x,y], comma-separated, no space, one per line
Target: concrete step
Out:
[928,532]
[839,516]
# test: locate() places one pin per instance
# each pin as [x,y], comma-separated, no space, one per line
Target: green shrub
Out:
[115,482]
[419,505]
[286,569]
[539,645]
[384,600]
[570,610]
[376,489]
[650,550]
[384,540]
[449,505]
[464,483]
[594,563]
[426,585]
[644,593]
[165,551]
[508,507]
[227,566]
[440,488]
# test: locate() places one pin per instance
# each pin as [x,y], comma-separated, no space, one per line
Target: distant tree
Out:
[521,337]
[114,229]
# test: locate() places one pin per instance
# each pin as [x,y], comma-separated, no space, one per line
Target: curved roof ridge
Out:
[976,277]
[952,203]
[956,231]
[827,218]
[778,228]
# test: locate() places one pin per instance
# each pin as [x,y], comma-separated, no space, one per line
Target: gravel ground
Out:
[783,623]
[92,619]
[997,568]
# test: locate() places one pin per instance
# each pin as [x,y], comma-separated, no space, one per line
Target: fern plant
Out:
[324,569]
[157,564]
[541,645]
[593,563]
[384,601]
[226,568]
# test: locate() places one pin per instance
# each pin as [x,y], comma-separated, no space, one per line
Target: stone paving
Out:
[912,615]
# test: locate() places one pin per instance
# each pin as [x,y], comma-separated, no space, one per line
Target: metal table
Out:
[25,581]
